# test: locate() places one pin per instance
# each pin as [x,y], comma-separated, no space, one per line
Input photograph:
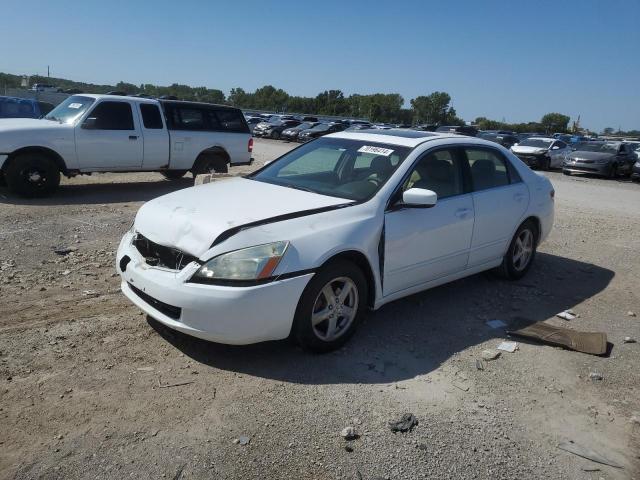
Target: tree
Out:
[555,122]
[434,109]
[607,131]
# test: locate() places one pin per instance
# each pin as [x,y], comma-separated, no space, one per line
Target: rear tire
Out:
[521,253]
[32,175]
[173,174]
[210,164]
[566,172]
[330,308]
[546,164]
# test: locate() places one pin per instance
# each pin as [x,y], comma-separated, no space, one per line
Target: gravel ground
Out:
[91,388]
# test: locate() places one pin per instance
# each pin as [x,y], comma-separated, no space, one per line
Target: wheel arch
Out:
[362,262]
[52,154]
[538,224]
[216,150]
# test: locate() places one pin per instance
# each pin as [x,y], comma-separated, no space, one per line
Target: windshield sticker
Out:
[75,105]
[375,150]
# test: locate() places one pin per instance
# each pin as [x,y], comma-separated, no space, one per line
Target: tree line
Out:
[432,109]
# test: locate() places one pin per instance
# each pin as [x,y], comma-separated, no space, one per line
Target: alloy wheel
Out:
[523,250]
[335,309]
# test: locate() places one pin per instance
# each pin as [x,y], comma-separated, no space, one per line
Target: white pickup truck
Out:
[112,133]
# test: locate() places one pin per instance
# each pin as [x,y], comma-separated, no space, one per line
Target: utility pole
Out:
[48,71]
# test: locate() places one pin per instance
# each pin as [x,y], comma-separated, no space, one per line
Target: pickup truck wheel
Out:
[210,164]
[32,175]
[173,174]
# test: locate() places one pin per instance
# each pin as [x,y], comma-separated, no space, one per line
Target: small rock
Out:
[349,433]
[64,250]
[244,440]
[629,340]
[595,376]
[631,314]
[66,272]
[348,448]
[635,420]
[489,355]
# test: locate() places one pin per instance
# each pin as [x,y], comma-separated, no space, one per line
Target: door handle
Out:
[462,212]
[133,137]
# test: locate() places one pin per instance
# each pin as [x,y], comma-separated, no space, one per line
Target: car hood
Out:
[17,124]
[526,149]
[191,219]
[591,155]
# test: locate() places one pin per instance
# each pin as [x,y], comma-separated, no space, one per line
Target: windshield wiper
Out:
[304,189]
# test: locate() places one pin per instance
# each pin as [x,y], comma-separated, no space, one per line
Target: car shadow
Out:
[414,335]
[100,193]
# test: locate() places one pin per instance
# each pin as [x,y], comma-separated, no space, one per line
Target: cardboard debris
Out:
[566,315]
[594,343]
[587,453]
[508,346]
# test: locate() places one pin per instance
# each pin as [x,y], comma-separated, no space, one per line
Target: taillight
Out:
[250,146]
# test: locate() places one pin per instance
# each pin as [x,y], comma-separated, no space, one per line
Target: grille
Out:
[160,256]
[169,310]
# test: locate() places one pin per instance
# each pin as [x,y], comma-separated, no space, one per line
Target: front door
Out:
[424,244]
[109,138]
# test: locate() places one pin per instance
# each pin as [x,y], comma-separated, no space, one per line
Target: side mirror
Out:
[419,198]
[90,123]
[555,147]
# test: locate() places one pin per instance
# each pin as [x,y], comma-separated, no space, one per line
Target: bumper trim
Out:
[164,308]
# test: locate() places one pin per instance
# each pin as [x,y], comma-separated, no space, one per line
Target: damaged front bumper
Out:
[225,314]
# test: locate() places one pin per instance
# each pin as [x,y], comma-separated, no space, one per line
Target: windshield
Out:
[304,126]
[536,142]
[597,147]
[69,110]
[343,168]
[320,128]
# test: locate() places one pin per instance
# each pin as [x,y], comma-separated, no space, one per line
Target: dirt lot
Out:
[91,388]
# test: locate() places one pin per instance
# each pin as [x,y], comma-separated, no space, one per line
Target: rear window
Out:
[232,121]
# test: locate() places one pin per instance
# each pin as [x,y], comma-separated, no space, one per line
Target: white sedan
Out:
[348,222]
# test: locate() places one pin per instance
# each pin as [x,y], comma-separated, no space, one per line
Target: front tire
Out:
[331,307]
[275,135]
[614,172]
[521,253]
[32,175]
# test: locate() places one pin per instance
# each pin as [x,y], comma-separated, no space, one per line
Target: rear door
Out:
[110,138]
[155,137]
[424,244]
[500,199]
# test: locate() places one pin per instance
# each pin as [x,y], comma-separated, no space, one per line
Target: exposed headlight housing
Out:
[247,264]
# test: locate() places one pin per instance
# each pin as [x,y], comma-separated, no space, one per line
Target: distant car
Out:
[635,171]
[506,140]
[72,91]
[13,107]
[319,131]
[307,118]
[606,159]
[467,130]
[540,152]
[359,126]
[274,129]
[292,133]
[43,87]
[253,121]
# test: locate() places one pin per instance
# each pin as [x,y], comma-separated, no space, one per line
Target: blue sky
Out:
[511,60]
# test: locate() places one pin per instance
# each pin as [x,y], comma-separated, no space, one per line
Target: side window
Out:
[151,118]
[232,121]
[561,144]
[190,118]
[438,171]
[113,116]
[488,168]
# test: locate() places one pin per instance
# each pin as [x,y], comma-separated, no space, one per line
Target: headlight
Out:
[252,263]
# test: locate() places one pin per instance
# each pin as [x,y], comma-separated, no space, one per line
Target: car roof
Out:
[394,136]
[115,97]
